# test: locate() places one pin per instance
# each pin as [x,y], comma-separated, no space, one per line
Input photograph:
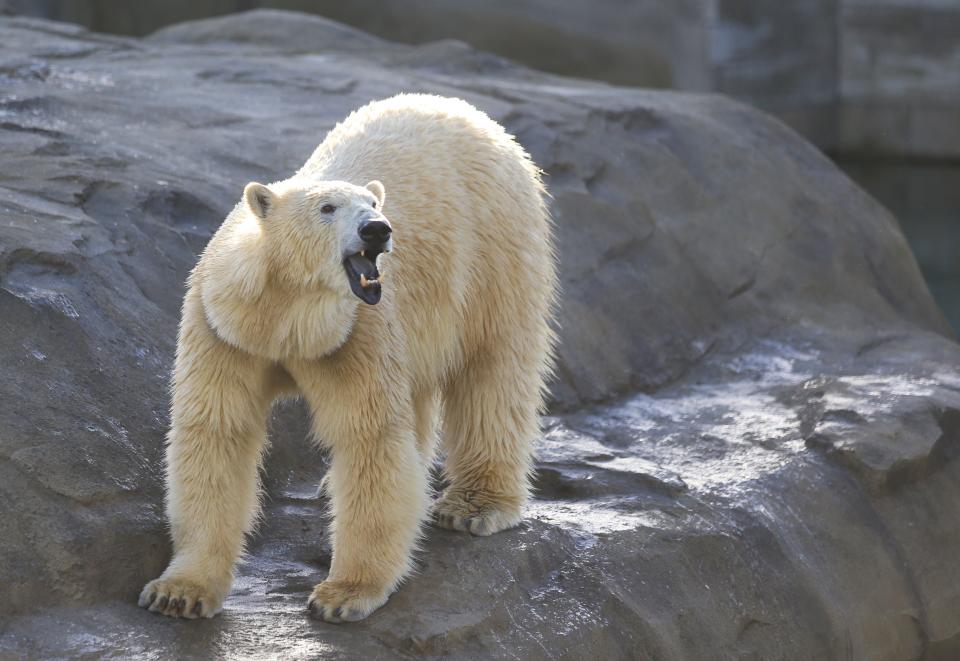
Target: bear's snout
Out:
[375,233]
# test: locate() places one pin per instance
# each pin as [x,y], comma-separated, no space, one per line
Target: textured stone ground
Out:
[752,451]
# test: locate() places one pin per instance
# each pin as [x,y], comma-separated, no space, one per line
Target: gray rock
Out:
[753,447]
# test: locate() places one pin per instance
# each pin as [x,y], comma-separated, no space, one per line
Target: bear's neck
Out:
[277,325]
[260,315]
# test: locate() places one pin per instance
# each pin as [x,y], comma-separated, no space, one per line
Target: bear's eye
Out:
[328,208]
[374,204]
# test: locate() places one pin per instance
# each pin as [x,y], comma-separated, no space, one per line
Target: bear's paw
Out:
[478,514]
[343,601]
[175,597]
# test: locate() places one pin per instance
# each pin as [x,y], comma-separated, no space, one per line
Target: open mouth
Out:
[365,279]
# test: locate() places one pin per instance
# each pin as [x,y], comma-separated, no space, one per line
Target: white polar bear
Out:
[307,289]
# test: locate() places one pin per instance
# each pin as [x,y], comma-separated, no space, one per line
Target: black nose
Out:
[375,231]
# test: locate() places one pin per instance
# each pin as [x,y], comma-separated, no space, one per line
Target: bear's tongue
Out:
[358,265]
[361,264]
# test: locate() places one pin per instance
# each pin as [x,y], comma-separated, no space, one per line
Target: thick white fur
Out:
[463,327]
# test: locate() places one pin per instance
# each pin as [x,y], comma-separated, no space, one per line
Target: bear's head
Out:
[324,234]
[282,275]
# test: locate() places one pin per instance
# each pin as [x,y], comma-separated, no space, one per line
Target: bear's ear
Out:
[259,198]
[377,189]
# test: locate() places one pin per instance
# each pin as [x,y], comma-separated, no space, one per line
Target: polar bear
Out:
[385,318]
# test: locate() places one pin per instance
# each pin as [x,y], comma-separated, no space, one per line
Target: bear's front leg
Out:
[221,397]
[377,485]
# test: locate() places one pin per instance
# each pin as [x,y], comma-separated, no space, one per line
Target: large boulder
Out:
[753,448]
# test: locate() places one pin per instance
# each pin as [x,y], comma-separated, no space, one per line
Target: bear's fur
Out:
[463,329]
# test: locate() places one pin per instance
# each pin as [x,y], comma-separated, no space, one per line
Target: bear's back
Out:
[473,251]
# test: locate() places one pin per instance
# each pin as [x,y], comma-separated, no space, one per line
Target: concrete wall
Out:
[779,56]
[900,77]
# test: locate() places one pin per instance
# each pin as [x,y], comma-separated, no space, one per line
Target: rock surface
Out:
[753,448]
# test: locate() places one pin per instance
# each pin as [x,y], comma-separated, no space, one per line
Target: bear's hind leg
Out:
[490,414]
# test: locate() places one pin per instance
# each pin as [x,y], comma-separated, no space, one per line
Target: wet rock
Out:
[752,445]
